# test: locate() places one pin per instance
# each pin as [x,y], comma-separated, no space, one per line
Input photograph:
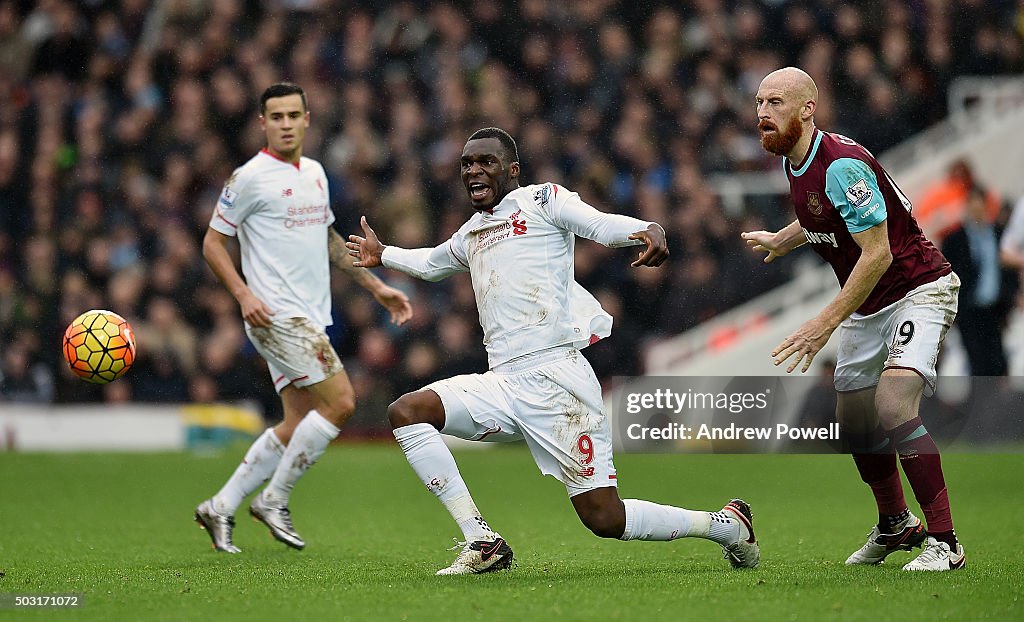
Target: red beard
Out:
[780,143]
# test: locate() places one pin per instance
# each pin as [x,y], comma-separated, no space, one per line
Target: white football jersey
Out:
[280,213]
[520,258]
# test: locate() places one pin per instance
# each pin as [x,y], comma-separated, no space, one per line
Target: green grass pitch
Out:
[117,528]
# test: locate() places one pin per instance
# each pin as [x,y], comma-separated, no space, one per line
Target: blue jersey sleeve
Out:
[852,187]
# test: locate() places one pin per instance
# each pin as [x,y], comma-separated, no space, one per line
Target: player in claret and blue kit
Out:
[898,299]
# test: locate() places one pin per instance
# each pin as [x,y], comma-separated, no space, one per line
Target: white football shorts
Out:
[551,399]
[905,335]
[297,352]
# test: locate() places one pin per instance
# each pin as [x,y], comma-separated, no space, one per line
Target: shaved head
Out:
[786,101]
[793,82]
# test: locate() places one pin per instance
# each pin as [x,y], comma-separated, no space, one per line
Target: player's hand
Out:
[764,241]
[396,302]
[805,343]
[656,248]
[366,250]
[254,310]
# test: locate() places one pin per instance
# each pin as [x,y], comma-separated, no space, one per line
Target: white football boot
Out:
[745,552]
[937,556]
[880,545]
[480,556]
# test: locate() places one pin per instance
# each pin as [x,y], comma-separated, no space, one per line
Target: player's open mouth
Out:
[478,191]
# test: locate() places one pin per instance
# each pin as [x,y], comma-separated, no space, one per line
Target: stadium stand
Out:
[121,121]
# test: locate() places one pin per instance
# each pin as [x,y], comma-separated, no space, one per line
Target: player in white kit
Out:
[518,249]
[277,204]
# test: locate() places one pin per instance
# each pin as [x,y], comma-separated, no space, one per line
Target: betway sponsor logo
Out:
[814,237]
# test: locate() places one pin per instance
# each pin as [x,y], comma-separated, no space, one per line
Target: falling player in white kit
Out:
[278,206]
[518,249]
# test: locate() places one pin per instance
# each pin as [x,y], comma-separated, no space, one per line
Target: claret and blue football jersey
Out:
[840,189]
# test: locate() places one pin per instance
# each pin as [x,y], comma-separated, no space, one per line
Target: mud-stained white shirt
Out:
[280,213]
[520,258]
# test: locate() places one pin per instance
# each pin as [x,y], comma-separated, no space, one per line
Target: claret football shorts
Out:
[297,352]
[905,335]
[552,400]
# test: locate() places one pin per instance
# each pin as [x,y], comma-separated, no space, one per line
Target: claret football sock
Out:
[257,467]
[309,441]
[433,462]
[920,460]
[875,458]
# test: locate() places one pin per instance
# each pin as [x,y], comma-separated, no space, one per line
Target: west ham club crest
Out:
[814,203]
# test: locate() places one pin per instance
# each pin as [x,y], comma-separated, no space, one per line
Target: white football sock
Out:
[651,521]
[257,467]
[432,461]
[309,441]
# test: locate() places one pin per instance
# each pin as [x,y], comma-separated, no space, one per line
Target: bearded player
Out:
[898,299]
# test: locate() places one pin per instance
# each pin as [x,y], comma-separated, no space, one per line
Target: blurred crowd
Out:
[121,120]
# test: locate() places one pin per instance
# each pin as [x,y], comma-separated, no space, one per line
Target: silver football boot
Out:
[278,519]
[217,526]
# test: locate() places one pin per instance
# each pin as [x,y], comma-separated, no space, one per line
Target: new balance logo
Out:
[287,192]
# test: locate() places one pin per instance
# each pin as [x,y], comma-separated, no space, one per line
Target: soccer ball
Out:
[99,346]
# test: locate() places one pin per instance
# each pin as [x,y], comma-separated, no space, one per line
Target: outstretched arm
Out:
[366,250]
[613,230]
[655,246]
[429,264]
[809,339]
[396,302]
[776,244]
[254,310]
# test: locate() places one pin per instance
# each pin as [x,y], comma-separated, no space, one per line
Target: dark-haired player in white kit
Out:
[278,206]
[518,249]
